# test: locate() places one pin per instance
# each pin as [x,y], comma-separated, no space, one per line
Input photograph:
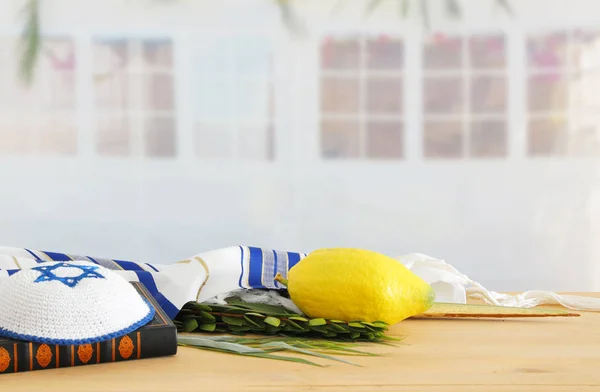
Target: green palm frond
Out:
[274,348]
[30,40]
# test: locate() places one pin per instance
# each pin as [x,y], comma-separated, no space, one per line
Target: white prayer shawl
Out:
[210,276]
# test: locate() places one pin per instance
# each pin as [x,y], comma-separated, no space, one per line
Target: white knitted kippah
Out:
[74,302]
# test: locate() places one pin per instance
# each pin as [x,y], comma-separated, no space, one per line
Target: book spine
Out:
[20,356]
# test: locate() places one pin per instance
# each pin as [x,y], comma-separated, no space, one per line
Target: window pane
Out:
[112,137]
[158,53]
[547,51]
[339,95]
[385,140]
[110,56]
[215,141]
[585,49]
[443,139]
[213,57]
[252,100]
[57,74]
[340,139]
[584,90]
[443,95]
[254,142]
[252,55]
[584,137]
[443,54]
[159,91]
[488,94]
[111,90]
[488,139]
[384,95]
[215,100]
[385,54]
[340,54]
[160,137]
[487,52]
[58,136]
[547,92]
[546,136]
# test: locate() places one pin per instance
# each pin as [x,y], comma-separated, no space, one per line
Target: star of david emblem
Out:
[48,273]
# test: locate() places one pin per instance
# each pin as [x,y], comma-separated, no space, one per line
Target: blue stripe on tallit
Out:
[293,258]
[92,260]
[242,266]
[152,267]
[275,269]
[128,265]
[57,256]
[256,264]
[34,255]
[12,271]
[147,280]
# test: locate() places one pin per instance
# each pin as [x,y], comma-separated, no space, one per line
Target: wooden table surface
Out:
[556,354]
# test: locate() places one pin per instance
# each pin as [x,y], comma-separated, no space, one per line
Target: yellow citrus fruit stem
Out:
[279,278]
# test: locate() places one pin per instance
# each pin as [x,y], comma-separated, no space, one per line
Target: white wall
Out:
[512,224]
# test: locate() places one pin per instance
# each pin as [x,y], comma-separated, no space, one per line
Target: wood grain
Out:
[554,354]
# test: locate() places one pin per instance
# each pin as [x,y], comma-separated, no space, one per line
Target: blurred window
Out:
[40,118]
[362,98]
[134,97]
[233,86]
[464,97]
[563,85]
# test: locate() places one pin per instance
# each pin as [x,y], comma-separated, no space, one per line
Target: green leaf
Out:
[266,309]
[275,322]
[356,324]
[233,320]
[239,328]
[354,334]
[208,327]
[296,318]
[251,322]
[255,314]
[204,307]
[317,322]
[207,317]
[339,327]
[295,325]
[190,325]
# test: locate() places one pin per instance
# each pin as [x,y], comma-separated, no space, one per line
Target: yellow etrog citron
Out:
[357,285]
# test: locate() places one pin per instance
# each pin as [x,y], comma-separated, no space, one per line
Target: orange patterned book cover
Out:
[156,339]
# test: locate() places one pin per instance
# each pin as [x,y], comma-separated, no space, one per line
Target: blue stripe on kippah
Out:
[256,263]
